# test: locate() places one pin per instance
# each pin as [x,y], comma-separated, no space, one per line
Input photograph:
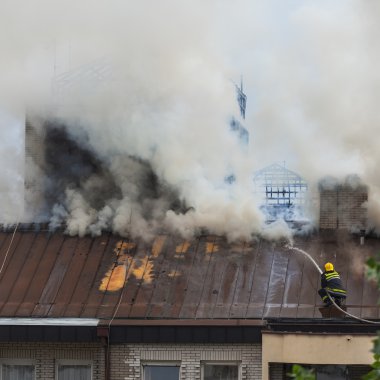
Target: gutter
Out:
[184,322]
[183,331]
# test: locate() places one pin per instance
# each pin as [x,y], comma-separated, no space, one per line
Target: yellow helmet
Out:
[329,267]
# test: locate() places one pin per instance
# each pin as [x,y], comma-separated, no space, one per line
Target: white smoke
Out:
[309,72]
[11,183]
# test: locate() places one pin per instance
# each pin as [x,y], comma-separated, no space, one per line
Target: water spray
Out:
[290,247]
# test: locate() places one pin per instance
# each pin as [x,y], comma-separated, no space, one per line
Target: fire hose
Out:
[327,291]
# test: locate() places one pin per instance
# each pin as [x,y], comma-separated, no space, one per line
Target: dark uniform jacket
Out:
[331,281]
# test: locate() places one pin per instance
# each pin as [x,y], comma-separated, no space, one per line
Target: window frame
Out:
[73,362]
[161,363]
[20,362]
[236,363]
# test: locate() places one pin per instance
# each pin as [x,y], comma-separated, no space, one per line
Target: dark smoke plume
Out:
[89,195]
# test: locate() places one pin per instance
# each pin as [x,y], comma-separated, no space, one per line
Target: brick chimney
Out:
[342,205]
[34,166]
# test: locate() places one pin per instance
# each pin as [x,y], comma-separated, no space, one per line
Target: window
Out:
[74,370]
[220,371]
[334,372]
[159,371]
[17,370]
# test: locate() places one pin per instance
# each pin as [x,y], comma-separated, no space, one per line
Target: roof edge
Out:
[49,322]
[183,322]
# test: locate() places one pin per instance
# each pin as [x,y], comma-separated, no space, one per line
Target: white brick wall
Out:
[126,359]
[46,355]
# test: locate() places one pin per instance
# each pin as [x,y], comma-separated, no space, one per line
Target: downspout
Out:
[103,334]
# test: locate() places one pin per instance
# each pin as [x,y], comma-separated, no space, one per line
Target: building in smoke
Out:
[110,307]
[58,159]
[283,193]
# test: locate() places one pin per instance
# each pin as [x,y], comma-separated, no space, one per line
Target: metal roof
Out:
[52,275]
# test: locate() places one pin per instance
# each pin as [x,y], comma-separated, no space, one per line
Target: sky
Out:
[309,71]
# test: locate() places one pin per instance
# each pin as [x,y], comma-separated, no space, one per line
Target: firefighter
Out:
[331,283]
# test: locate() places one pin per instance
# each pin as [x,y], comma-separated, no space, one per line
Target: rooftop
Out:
[52,275]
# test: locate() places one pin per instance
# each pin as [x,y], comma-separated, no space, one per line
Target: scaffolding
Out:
[282,192]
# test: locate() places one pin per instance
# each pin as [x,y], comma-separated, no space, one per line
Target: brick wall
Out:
[126,359]
[46,355]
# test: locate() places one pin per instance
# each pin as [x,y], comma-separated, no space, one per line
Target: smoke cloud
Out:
[141,94]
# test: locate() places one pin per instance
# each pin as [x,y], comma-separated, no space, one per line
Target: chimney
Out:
[342,205]
[34,164]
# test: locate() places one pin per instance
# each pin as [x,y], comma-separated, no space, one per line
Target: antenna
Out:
[241,98]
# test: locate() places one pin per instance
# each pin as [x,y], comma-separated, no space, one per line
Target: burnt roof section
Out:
[112,278]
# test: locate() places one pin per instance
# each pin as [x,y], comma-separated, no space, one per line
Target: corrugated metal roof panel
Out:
[57,276]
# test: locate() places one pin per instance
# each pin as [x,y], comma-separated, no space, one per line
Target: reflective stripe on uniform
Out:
[330,278]
[332,275]
[336,290]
